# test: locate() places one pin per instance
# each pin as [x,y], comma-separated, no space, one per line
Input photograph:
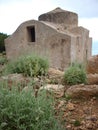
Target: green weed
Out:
[29,65]
[75,74]
[22,111]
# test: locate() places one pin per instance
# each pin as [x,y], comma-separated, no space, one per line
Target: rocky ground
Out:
[78,114]
[75,106]
[78,104]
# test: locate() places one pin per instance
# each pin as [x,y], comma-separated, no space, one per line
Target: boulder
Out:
[58,90]
[92,65]
[92,78]
[53,87]
[82,91]
[15,80]
[55,76]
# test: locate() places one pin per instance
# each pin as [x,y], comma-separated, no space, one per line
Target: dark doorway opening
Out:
[31,34]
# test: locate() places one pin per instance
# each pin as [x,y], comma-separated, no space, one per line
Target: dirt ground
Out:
[78,114]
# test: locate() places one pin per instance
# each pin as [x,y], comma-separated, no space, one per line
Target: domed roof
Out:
[60,16]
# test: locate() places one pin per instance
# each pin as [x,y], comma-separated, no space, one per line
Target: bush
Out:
[29,65]
[3,60]
[75,74]
[2,37]
[22,111]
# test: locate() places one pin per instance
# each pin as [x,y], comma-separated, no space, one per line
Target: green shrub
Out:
[29,65]
[3,60]
[22,111]
[2,38]
[75,74]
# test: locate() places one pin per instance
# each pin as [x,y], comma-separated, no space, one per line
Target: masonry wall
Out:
[82,44]
[48,43]
[58,49]
[18,42]
[56,36]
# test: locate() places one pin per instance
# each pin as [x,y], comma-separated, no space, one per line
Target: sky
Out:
[14,12]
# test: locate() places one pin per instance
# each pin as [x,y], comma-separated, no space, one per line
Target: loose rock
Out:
[82,91]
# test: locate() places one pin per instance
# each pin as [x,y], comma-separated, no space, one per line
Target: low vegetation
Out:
[75,74]
[2,38]
[22,111]
[3,59]
[29,65]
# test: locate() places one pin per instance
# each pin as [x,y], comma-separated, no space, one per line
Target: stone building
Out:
[55,35]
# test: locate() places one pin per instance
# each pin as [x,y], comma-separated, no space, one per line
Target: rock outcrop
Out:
[55,76]
[92,65]
[13,80]
[92,79]
[82,91]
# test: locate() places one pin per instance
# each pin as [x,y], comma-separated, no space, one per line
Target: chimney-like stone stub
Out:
[59,16]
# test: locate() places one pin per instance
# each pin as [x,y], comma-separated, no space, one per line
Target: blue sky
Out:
[14,12]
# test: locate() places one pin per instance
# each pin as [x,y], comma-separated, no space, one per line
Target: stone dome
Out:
[60,16]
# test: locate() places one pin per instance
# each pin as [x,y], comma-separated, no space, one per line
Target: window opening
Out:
[31,34]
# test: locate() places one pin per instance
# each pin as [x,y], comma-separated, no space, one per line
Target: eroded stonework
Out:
[56,35]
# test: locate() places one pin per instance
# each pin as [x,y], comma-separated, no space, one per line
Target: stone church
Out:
[55,35]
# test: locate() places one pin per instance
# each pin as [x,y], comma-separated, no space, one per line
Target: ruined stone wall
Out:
[56,36]
[83,43]
[58,48]
[18,42]
[89,48]
[48,43]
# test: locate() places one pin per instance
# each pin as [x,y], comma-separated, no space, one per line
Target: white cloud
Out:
[14,13]
[84,8]
[92,25]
